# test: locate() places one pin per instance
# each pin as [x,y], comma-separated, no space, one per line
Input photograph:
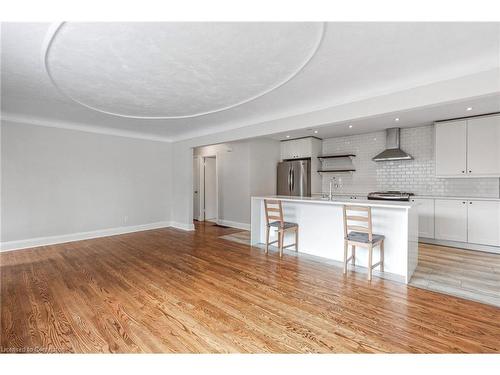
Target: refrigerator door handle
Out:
[302,177]
[293,180]
[290,179]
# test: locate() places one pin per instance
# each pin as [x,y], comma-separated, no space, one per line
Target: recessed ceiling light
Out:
[315,132]
[350,126]
[469,108]
[396,119]
[288,136]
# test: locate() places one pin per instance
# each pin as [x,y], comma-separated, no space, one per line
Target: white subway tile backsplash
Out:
[417,176]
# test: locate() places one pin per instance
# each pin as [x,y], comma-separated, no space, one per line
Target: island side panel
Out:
[412,242]
[392,223]
[321,232]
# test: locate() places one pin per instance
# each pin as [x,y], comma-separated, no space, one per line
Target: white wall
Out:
[244,168]
[58,182]
[416,176]
[264,158]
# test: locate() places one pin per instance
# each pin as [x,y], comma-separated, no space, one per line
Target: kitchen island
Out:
[321,231]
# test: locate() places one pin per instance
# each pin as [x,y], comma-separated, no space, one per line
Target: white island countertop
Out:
[321,230]
[340,200]
[454,198]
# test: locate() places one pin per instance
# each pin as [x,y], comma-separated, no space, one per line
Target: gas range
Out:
[390,196]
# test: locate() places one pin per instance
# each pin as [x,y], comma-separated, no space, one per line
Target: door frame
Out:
[201,195]
[197,160]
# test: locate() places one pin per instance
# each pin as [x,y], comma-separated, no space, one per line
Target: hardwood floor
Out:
[167,290]
[463,273]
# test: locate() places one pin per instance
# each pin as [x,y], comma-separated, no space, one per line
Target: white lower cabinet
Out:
[483,222]
[450,219]
[425,208]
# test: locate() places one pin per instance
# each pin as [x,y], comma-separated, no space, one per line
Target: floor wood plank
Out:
[168,290]
[458,272]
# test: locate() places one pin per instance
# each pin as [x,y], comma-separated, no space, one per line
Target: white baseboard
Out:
[52,240]
[183,226]
[234,224]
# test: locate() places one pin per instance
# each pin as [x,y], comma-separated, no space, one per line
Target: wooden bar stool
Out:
[360,234]
[274,218]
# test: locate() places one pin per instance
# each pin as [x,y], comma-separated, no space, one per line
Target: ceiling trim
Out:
[56,27]
[21,119]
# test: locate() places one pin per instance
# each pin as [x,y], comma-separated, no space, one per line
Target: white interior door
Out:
[196,188]
[210,189]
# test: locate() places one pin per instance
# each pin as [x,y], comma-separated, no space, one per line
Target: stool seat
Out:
[284,224]
[364,238]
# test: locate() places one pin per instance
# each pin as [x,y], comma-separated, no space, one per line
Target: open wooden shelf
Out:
[336,156]
[335,170]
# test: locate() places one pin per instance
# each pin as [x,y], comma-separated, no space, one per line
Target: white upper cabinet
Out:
[451,148]
[468,148]
[483,146]
[451,219]
[298,148]
[483,222]
[425,208]
[286,150]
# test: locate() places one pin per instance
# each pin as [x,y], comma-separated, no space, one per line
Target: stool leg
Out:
[267,239]
[279,238]
[370,254]
[282,239]
[353,252]
[382,256]
[296,238]
[345,256]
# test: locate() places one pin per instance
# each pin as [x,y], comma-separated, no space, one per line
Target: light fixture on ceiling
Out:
[396,119]
[350,126]
[288,136]
[469,108]
[315,132]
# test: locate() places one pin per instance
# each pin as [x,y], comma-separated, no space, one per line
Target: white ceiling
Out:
[262,71]
[416,117]
[176,70]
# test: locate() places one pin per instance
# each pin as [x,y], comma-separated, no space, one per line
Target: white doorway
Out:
[210,180]
[196,188]
[205,197]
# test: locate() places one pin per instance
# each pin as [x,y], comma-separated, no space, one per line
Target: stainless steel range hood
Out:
[392,150]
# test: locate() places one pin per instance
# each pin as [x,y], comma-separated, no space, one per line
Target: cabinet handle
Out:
[470,171]
[463,202]
[470,202]
[463,171]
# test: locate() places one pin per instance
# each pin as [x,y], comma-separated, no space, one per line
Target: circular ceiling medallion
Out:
[175,70]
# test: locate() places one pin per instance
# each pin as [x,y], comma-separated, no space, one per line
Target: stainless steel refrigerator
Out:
[294,178]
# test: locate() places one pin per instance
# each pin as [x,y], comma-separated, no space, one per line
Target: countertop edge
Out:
[454,198]
[372,203]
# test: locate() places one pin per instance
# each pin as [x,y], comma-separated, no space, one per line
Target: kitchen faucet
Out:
[330,194]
